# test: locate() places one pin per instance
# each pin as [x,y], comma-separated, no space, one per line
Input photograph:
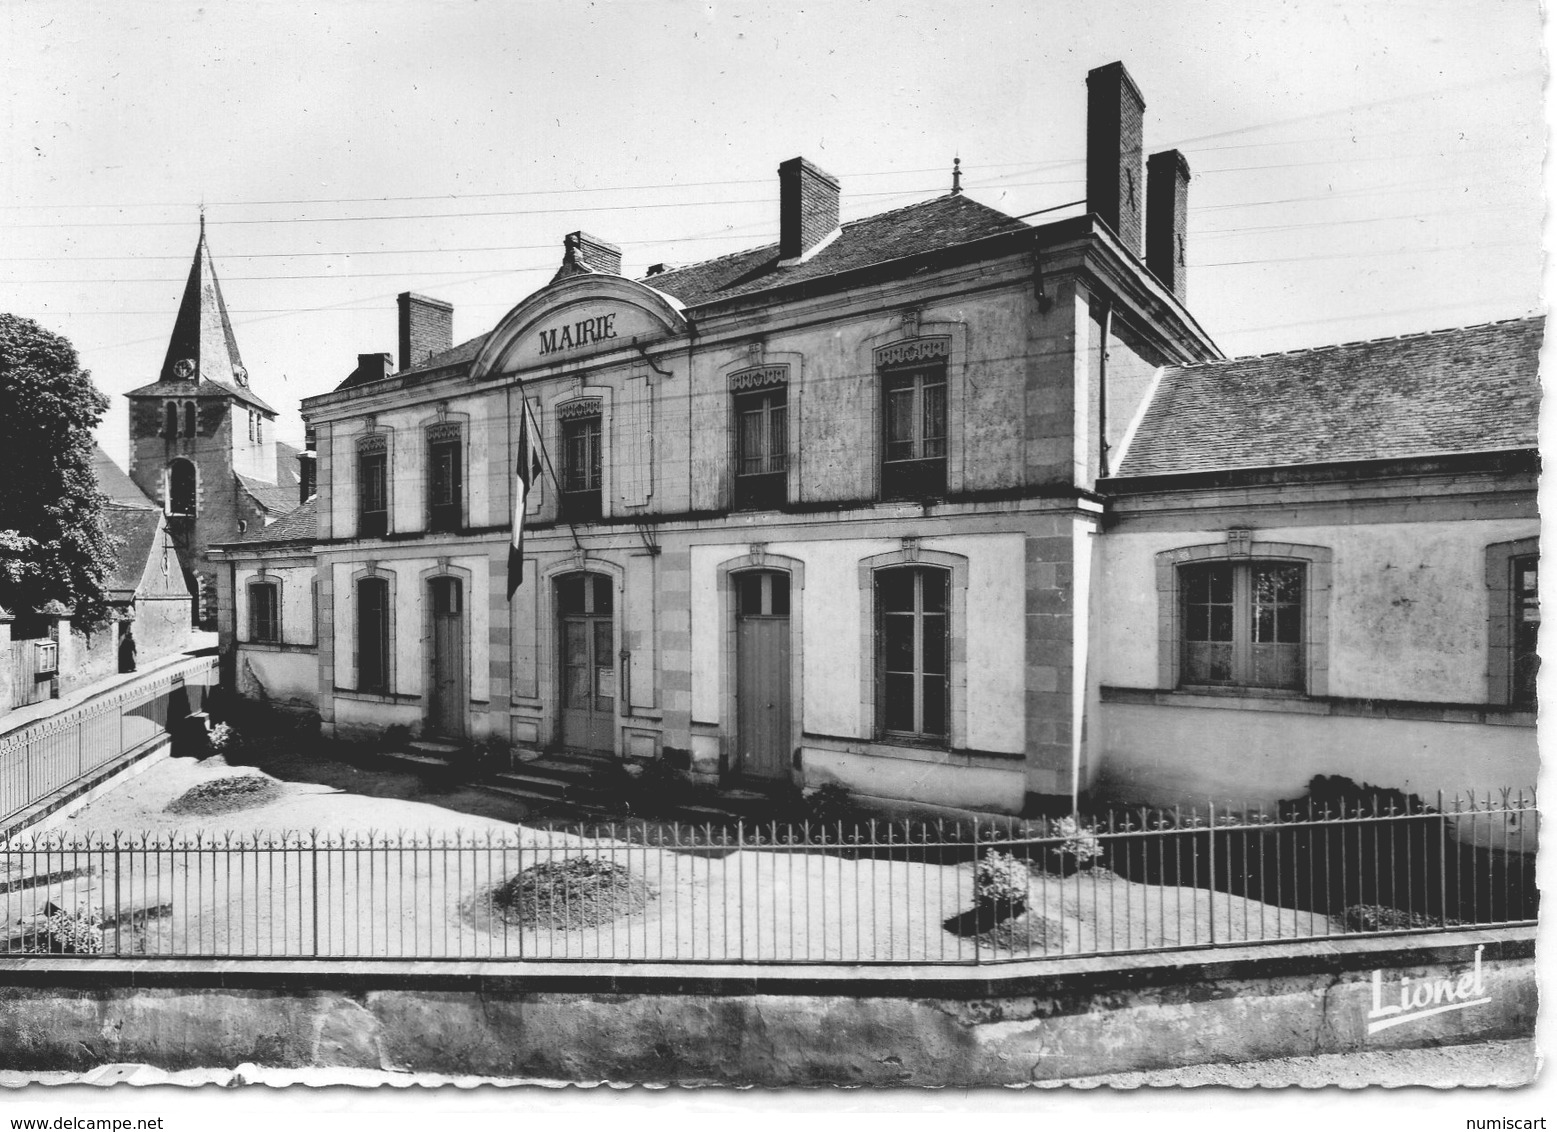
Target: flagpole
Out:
[535,433]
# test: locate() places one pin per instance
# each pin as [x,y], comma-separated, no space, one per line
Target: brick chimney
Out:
[1167,219]
[808,207]
[373,367]
[426,328]
[1115,110]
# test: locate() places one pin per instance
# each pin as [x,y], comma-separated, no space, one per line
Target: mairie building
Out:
[949,507]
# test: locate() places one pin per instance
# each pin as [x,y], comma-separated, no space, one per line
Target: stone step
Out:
[435,748]
[419,761]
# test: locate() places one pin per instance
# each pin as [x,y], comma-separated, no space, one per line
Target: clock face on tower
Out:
[184,368]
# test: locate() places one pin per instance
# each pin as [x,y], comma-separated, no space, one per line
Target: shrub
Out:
[1001,881]
[222,739]
[70,933]
[1080,846]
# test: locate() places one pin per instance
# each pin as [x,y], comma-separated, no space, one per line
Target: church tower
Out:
[202,442]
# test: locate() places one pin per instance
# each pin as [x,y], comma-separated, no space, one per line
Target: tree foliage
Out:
[53,545]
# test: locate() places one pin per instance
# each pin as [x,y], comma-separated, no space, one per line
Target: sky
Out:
[1361,169]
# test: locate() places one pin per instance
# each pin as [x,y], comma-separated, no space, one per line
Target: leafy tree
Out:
[53,545]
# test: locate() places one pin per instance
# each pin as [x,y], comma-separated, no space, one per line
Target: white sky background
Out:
[1360,168]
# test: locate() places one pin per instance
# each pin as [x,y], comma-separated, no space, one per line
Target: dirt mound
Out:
[579,892]
[226,795]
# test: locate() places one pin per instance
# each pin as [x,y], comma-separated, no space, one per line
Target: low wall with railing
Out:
[49,757]
[874,893]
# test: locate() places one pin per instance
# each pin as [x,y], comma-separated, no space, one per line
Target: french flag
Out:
[526,471]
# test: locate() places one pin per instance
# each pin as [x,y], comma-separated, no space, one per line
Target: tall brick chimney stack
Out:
[1167,219]
[808,207]
[426,328]
[1115,110]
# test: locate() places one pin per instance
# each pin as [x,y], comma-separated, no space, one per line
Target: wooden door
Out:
[588,662]
[446,704]
[762,692]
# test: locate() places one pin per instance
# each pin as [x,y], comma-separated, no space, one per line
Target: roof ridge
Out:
[705,262]
[1410,335]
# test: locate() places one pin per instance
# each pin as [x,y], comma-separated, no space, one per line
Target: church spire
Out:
[202,347]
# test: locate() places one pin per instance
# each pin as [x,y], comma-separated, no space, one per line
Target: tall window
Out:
[1242,624]
[581,464]
[189,418]
[171,427]
[444,476]
[1526,629]
[373,635]
[264,612]
[181,488]
[373,488]
[912,652]
[914,423]
[762,447]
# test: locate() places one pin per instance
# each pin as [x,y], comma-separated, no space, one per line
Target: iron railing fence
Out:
[38,760]
[875,892]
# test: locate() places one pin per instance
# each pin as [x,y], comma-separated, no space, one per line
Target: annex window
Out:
[373,487]
[445,471]
[914,431]
[581,460]
[1242,624]
[181,488]
[264,612]
[373,635]
[912,652]
[1526,613]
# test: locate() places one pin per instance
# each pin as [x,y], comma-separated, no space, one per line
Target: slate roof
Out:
[301,525]
[915,229]
[1469,389]
[274,498]
[286,466]
[120,488]
[202,334]
[134,531]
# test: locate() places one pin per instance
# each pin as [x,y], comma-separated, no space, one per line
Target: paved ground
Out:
[1499,1064]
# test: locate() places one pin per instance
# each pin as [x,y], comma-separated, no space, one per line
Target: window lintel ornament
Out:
[373,443]
[913,350]
[911,322]
[443,430]
[758,377]
[370,568]
[1240,541]
[759,553]
[583,407]
[910,548]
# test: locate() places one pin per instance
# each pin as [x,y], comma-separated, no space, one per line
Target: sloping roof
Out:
[301,525]
[134,532]
[274,498]
[202,335]
[119,488]
[913,230]
[286,466]
[454,356]
[178,389]
[918,228]
[1470,389]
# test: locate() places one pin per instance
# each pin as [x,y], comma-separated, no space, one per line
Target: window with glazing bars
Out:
[1242,624]
[372,494]
[914,425]
[264,613]
[581,467]
[912,646]
[1525,594]
[762,447]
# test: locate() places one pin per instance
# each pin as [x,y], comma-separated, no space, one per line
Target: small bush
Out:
[221,739]
[1382,918]
[1001,881]
[1080,846]
[70,933]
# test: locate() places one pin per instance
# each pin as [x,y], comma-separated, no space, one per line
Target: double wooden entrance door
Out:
[587,630]
[762,692]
